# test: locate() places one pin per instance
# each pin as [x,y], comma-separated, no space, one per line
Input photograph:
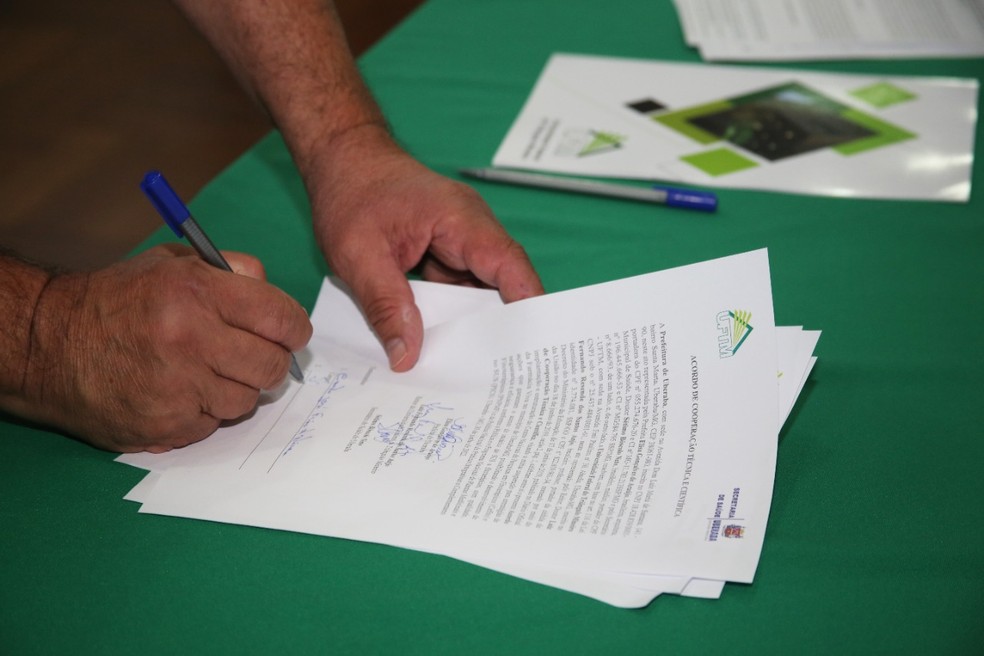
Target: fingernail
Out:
[396,351]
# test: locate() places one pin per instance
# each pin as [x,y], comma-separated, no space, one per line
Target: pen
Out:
[179,219]
[690,199]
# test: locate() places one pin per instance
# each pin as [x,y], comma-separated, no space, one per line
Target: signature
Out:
[450,437]
[414,440]
[333,382]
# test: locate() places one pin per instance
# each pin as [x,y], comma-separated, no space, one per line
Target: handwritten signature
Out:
[414,439]
[334,383]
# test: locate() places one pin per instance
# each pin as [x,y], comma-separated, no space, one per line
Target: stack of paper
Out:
[617,440]
[750,30]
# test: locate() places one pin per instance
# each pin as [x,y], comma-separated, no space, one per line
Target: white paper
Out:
[294,465]
[804,132]
[762,30]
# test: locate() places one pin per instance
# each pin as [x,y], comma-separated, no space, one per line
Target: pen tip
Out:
[295,370]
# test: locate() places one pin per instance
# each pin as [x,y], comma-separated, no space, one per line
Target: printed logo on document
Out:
[721,524]
[733,329]
[581,142]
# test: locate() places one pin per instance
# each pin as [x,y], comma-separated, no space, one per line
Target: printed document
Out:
[616,440]
[763,30]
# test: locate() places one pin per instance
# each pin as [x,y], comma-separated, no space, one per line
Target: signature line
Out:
[270,430]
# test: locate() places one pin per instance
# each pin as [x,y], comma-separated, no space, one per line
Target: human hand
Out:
[154,352]
[379,213]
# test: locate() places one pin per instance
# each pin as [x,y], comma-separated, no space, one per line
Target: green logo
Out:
[601,142]
[733,329]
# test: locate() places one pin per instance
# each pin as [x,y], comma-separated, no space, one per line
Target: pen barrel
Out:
[689,199]
[673,197]
[201,243]
[208,252]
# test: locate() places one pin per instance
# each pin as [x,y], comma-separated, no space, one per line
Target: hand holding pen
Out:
[179,219]
[155,351]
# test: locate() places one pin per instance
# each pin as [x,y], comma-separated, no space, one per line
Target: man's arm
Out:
[146,354]
[377,212]
[21,285]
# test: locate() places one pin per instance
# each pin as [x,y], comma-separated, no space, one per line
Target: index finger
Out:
[470,238]
[262,309]
[495,258]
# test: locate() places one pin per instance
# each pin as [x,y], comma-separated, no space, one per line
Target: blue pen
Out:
[690,199]
[179,219]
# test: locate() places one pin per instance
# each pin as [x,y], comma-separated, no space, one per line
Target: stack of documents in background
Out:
[618,440]
[761,30]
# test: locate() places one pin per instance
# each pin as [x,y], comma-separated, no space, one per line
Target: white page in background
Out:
[795,351]
[577,98]
[799,387]
[805,360]
[616,589]
[834,29]
[139,492]
[688,22]
[360,441]
[703,589]
[146,460]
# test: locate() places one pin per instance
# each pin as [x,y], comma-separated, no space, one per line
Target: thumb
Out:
[245,265]
[387,302]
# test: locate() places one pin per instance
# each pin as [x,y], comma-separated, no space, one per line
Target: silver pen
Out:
[690,199]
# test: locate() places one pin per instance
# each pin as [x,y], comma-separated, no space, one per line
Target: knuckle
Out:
[202,427]
[172,328]
[175,430]
[244,402]
[273,370]
[234,402]
[279,317]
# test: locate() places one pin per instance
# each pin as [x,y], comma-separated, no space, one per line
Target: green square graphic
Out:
[681,120]
[720,161]
[884,134]
[782,121]
[882,94]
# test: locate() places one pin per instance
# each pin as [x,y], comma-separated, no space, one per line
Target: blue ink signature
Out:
[422,427]
[445,448]
[306,431]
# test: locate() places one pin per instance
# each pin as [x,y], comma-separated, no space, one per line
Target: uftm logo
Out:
[601,142]
[733,330]
[579,142]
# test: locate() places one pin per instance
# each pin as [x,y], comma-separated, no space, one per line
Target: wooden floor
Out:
[95,93]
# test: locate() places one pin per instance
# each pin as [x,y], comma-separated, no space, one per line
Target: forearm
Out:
[292,56]
[377,212]
[21,289]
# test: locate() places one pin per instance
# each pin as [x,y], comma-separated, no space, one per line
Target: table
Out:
[874,543]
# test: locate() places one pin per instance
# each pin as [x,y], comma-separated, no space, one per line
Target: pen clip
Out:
[165,201]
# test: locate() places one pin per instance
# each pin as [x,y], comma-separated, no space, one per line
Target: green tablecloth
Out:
[875,543]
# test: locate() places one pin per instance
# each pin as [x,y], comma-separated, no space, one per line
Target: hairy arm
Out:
[21,286]
[148,354]
[377,212]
